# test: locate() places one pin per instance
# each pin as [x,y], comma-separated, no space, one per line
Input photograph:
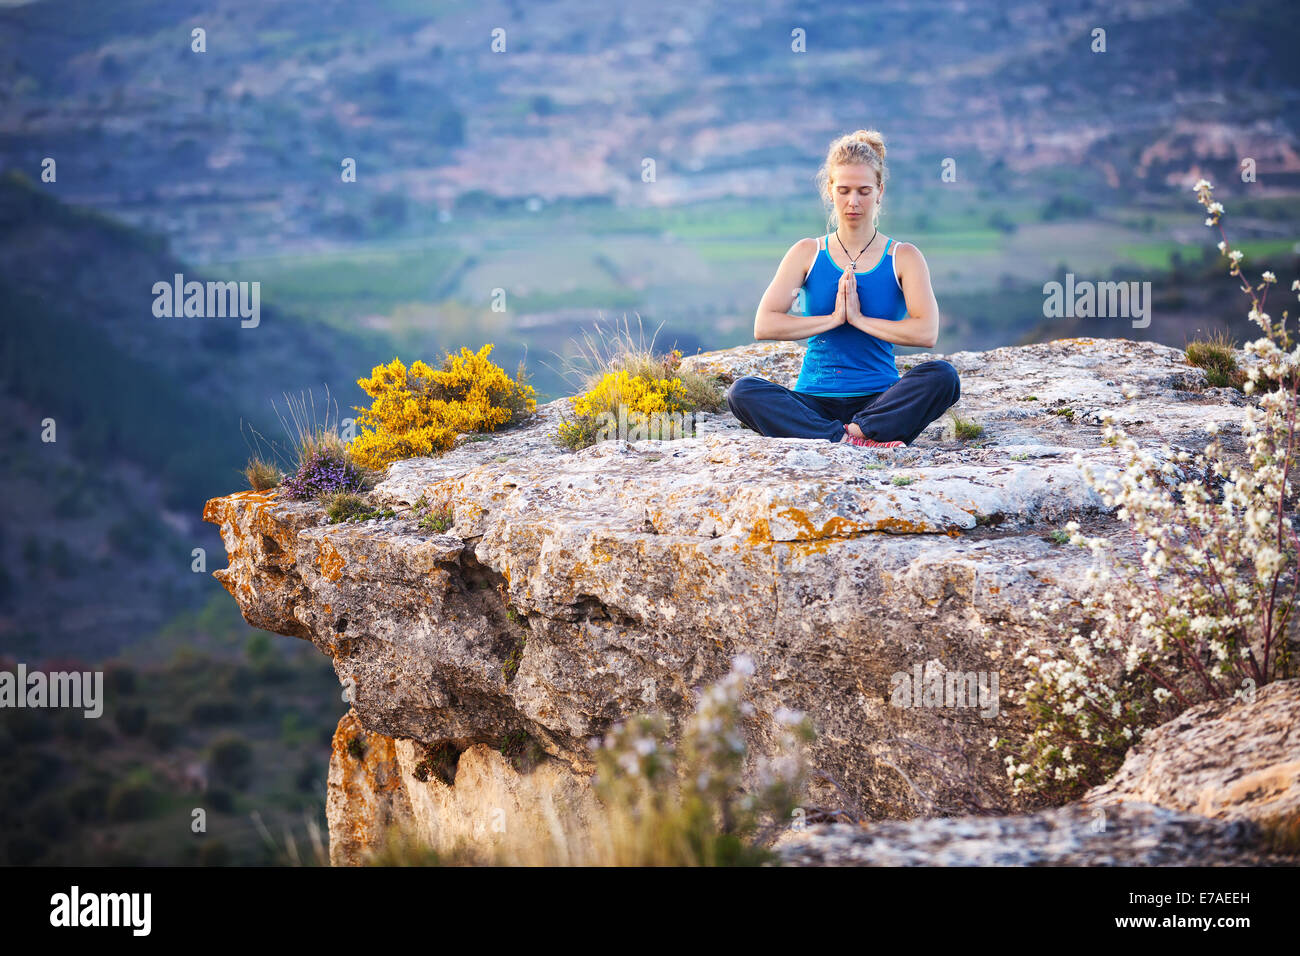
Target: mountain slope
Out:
[97,527]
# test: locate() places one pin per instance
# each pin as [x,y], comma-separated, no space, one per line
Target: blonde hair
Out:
[865,147]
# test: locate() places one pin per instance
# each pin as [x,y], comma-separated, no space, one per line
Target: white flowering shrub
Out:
[685,804]
[1205,610]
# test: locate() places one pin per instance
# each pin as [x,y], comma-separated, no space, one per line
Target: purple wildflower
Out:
[322,473]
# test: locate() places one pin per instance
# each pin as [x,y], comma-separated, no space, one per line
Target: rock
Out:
[487,798]
[1208,788]
[365,792]
[261,552]
[1134,834]
[490,800]
[576,589]
[1171,401]
[1230,760]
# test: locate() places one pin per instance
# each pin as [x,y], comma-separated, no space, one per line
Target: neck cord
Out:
[853,260]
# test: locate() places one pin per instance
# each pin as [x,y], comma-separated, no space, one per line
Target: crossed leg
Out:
[900,413]
[779,412]
[904,410]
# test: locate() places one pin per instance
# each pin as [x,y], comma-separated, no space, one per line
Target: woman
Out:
[857,294]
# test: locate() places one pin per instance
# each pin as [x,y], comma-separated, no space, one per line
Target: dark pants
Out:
[900,413]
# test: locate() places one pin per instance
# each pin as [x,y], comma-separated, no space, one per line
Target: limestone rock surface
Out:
[1216,786]
[1231,760]
[574,589]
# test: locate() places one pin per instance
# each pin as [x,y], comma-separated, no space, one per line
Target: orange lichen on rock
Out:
[330,562]
[365,791]
[837,527]
[902,526]
[804,548]
[761,533]
[601,555]
[215,509]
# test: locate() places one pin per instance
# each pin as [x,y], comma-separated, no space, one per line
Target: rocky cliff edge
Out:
[574,589]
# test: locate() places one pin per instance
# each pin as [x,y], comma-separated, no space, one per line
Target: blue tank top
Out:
[845,361]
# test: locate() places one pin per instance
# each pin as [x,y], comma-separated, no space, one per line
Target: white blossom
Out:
[1212,539]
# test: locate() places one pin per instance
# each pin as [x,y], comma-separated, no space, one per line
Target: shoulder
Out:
[805,252]
[907,255]
[806,247]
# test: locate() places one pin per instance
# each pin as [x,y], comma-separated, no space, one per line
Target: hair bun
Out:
[872,138]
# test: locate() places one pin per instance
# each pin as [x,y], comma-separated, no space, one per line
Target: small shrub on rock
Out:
[438,761]
[1217,355]
[342,505]
[626,380]
[965,429]
[325,471]
[317,457]
[262,475]
[436,519]
[421,410]
[347,506]
[639,396]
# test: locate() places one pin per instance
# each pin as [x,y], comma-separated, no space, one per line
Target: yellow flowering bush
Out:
[420,411]
[638,394]
[642,397]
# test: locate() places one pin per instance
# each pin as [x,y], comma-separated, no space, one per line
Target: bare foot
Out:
[853,436]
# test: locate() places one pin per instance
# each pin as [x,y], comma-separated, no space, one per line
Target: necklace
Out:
[853,260]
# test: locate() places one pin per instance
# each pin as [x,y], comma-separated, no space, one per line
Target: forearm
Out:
[781,326]
[918,330]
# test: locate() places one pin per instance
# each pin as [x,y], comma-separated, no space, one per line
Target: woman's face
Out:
[856,192]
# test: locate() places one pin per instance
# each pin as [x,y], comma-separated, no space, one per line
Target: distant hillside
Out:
[241,145]
[97,528]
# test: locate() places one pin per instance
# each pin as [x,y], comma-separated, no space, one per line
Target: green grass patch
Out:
[345,506]
[1217,356]
[436,519]
[965,429]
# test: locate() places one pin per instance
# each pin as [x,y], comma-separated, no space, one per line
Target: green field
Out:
[422,296]
[1159,255]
